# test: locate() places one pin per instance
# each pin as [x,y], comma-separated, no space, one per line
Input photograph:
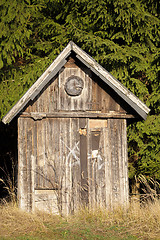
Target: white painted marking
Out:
[73,152]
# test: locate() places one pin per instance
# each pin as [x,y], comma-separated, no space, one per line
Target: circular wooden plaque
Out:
[74,86]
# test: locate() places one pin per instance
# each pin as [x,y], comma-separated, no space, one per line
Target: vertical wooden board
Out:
[96,162]
[99,97]
[22,180]
[88,82]
[71,101]
[55,95]
[107,177]
[34,145]
[94,96]
[105,101]
[82,99]
[58,163]
[124,167]
[68,154]
[50,155]
[39,172]
[68,165]
[61,172]
[34,161]
[74,100]
[91,172]
[25,173]
[89,169]
[67,159]
[95,141]
[45,145]
[39,103]
[101,168]
[125,155]
[62,94]
[121,173]
[28,163]
[52,93]
[108,103]
[50,97]
[121,155]
[75,164]
[46,99]
[83,161]
[43,100]
[34,107]
[99,163]
[114,138]
[42,153]
[56,152]
[123,163]
[39,146]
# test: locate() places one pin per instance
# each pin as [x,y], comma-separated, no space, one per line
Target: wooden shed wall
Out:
[69,160]
[96,96]
[52,173]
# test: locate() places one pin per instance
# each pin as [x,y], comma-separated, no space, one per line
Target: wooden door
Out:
[57,177]
[92,161]
[70,164]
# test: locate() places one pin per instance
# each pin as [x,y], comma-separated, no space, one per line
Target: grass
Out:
[134,223]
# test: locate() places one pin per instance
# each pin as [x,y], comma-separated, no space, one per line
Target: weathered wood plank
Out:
[75,165]
[33,161]
[118,159]
[28,163]
[83,161]
[76,114]
[22,178]
[97,162]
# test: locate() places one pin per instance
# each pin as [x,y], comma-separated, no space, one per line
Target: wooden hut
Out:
[72,136]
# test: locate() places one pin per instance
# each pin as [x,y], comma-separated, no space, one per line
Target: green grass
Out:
[77,232]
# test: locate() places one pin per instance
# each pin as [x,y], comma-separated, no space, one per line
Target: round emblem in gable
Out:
[74,86]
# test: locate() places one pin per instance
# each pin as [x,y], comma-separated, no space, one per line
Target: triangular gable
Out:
[54,68]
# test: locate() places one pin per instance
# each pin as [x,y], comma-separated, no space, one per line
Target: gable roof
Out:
[58,63]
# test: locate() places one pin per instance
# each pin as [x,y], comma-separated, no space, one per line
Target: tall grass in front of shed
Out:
[9,184]
[133,223]
[138,221]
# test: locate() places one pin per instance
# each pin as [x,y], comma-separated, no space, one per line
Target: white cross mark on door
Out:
[73,152]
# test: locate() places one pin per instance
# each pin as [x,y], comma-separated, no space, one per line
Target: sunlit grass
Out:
[136,222]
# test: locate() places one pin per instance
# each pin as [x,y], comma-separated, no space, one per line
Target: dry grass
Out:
[142,222]
[14,222]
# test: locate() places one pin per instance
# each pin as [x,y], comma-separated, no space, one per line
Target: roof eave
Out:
[53,69]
